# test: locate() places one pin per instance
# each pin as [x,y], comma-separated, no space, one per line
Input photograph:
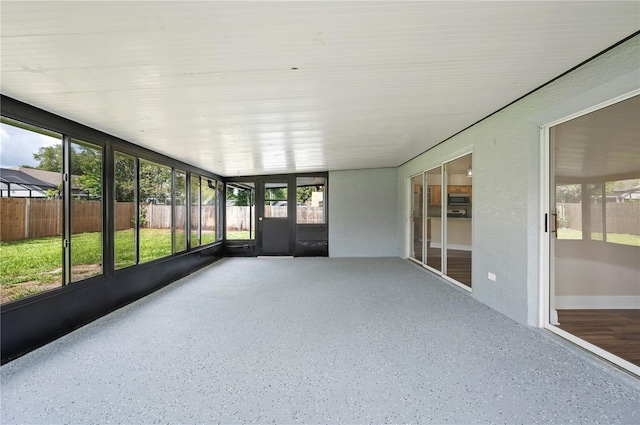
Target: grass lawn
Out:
[238,235]
[619,238]
[31,266]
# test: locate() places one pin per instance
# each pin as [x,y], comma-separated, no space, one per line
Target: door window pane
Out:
[31,206]
[125,210]
[275,200]
[180,211]
[208,211]
[195,210]
[86,210]
[310,193]
[154,211]
[240,210]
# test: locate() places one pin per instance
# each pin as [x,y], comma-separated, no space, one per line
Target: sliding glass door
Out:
[594,231]
[417,218]
[441,226]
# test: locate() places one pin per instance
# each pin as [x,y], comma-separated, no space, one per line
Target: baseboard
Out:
[597,302]
[451,246]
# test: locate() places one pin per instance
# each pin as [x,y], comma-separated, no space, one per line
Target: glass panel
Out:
[594,192]
[220,212]
[594,268]
[310,200]
[125,213]
[154,211]
[86,210]
[623,212]
[569,211]
[31,205]
[208,211]
[417,221]
[240,210]
[458,229]
[434,219]
[180,211]
[275,200]
[195,210]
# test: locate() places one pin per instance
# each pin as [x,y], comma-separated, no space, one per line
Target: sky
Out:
[17,146]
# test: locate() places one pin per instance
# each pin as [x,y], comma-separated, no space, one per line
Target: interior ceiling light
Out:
[469,172]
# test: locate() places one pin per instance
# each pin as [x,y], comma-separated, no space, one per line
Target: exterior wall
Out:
[507,178]
[362,213]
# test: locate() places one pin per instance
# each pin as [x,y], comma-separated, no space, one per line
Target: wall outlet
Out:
[491,276]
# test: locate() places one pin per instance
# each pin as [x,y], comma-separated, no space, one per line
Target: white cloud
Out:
[17,145]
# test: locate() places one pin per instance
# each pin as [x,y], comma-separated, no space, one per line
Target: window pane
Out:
[240,210]
[623,212]
[275,200]
[154,211]
[569,211]
[195,210]
[125,186]
[208,211]
[86,210]
[459,219]
[180,204]
[310,200]
[31,205]
[594,191]
[434,218]
[220,210]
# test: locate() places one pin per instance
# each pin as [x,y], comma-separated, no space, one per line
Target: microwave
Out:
[458,199]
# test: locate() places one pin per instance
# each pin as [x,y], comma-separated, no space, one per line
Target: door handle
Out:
[555,220]
[260,218]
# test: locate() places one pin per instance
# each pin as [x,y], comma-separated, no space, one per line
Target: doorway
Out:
[594,232]
[276,215]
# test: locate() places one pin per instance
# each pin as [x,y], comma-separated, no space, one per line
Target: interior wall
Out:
[594,274]
[507,160]
[362,213]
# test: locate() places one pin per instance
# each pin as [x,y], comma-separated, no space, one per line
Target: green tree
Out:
[49,158]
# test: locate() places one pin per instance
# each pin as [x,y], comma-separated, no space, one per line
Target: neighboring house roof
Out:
[20,178]
[51,177]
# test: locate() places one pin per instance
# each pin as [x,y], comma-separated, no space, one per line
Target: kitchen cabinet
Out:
[434,195]
[459,189]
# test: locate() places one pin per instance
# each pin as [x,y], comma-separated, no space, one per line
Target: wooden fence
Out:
[622,217]
[30,218]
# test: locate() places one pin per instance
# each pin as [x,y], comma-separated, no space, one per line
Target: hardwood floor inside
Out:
[458,263]
[616,331]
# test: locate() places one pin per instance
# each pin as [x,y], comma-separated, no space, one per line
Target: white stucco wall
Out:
[507,188]
[363,213]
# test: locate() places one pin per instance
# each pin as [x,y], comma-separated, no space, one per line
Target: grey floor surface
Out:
[312,341]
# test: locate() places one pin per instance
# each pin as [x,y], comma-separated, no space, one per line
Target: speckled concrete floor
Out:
[312,341]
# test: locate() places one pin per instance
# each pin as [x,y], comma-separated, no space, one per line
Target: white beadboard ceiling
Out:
[246,88]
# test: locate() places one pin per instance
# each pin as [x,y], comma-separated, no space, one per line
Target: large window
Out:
[52,228]
[86,210]
[208,213]
[240,210]
[154,215]
[311,208]
[195,210]
[125,210]
[31,206]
